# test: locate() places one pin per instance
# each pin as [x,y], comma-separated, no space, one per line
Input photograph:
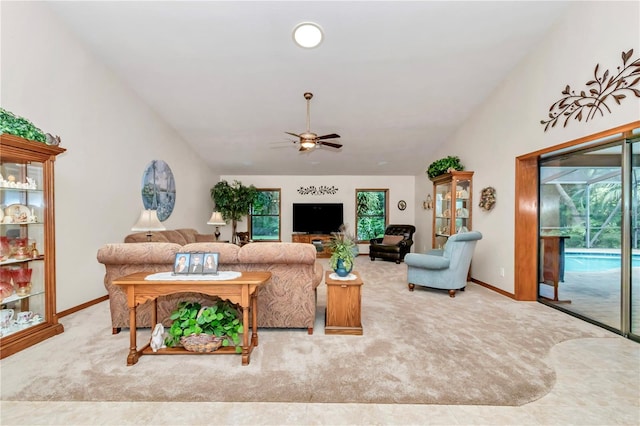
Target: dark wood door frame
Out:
[526,212]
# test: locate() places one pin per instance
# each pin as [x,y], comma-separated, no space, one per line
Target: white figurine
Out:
[157,338]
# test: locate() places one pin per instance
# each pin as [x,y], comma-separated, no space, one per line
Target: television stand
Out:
[319,241]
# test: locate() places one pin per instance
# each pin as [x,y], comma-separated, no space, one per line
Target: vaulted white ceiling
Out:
[394,79]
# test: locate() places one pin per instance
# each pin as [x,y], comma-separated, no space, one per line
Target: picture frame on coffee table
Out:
[181,263]
[211,263]
[196,263]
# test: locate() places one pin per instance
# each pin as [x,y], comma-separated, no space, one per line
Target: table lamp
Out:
[216,220]
[148,221]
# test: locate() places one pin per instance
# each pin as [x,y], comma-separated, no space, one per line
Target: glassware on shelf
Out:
[6,289]
[20,249]
[33,250]
[5,248]
[22,280]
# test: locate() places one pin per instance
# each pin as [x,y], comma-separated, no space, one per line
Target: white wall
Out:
[508,123]
[110,135]
[400,188]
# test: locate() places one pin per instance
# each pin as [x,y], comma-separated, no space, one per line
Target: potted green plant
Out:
[233,201]
[191,318]
[444,165]
[343,252]
[12,124]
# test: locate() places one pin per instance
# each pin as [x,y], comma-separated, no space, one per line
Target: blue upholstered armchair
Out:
[445,269]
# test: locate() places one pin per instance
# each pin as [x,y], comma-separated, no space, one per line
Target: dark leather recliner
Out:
[390,247]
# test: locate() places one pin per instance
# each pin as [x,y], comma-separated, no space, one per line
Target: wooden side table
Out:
[343,305]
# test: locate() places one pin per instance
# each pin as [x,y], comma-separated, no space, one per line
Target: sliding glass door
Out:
[634,239]
[581,233]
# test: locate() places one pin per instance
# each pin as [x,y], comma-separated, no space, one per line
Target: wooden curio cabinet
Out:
[27,244]
[452,193]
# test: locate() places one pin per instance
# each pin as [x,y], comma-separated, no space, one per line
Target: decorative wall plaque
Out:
[159,189]
[321,190]
[487,198]
[602,88]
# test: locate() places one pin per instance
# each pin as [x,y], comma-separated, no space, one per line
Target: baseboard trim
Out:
[106,297]
[496,289]
[83,306]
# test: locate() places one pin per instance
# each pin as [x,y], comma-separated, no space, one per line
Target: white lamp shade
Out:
[148,221]
[216,219]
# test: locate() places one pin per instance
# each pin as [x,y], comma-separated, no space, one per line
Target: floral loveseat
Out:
[287,300]
[178,236]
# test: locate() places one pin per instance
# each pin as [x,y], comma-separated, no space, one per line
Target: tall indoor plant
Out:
[233,201]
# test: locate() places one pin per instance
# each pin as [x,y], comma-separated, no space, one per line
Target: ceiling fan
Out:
[310,140]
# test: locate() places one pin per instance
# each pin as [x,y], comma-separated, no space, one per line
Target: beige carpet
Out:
[479,348]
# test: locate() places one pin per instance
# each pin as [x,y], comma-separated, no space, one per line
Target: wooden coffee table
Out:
[241,291]
[343,305]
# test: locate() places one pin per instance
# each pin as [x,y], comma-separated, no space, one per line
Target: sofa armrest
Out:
[426,261]
[406,243]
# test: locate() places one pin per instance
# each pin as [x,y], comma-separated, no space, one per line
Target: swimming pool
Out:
[595,262]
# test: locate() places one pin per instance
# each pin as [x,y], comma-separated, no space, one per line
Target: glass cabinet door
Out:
[442,223]
[452,205]
[463,205]
[22,277]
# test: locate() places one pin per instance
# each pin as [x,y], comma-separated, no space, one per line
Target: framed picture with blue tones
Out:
[159,189]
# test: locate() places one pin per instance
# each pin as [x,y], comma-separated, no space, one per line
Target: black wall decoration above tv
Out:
[317,218]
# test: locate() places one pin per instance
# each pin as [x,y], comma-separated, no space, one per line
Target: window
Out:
[264,217]
[371,213]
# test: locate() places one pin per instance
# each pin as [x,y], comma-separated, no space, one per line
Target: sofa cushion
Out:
[278,253]
[205,238]
[141,237]
[189,234]
[175,236]
[138,254]
[178,236]
[228,252]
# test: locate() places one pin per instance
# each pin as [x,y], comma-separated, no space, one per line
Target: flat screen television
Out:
[317,218]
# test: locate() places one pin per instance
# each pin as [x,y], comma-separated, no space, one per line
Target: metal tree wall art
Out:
[602,88]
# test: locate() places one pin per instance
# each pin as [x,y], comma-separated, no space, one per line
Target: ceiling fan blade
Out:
[331,144]
[293,134]
[331,136]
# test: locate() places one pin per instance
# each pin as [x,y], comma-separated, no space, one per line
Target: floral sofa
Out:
[178,236]
[287,300]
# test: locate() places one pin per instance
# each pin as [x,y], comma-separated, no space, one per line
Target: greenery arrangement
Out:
[221,319]
[343,247]
[443,165]
[233,201]
[12,124]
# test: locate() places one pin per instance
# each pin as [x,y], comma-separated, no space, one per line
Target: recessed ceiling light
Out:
[307,35]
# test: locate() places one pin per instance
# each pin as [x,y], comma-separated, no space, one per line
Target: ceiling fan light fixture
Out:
[308,35]
[307,144]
